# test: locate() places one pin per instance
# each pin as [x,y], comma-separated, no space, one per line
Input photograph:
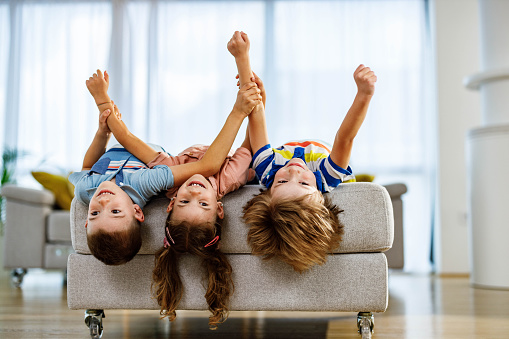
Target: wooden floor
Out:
[419,307]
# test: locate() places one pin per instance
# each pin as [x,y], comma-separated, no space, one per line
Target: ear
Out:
[170,206]
[86,224]
[138,213]
[220,211]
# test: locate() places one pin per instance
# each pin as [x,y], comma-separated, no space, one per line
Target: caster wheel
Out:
[17,276]
[365,329]
[365,324]
[96,330]
[94,321]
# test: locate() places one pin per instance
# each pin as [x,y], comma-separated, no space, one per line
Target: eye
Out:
[203,204]
[184,201]
[94,213]
[115,211]
[304,183]
[282,181]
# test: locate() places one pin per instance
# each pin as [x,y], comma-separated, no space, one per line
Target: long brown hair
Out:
[166,283]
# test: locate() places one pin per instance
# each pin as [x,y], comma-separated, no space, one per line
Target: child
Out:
[195,215]
[292,220]
[193,226]
[117,184]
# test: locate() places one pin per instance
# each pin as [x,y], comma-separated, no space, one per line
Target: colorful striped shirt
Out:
[267,161]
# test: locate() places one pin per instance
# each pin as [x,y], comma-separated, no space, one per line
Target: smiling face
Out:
[111,209]
[196,202]
[293,180]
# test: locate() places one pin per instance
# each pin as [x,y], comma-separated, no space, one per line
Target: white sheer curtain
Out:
[60,44]
[4,57]
[174,80]
[183,78]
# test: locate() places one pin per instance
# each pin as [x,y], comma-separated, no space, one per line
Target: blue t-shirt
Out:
[131,175]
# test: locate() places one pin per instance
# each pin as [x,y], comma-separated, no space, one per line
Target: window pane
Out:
[194,88]
[318,47]
[4,57]
[62,44]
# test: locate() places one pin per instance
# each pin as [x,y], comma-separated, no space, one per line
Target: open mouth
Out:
[105,192]
[196,183]
[296,164]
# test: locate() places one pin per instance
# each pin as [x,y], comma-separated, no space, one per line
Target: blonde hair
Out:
[299,231]
[115,248]
[166,283]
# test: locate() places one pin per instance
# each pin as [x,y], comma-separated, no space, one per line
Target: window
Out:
[4,57]
[174,80]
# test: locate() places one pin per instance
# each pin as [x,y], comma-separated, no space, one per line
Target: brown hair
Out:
[299,231]
[115,248]
[166,283]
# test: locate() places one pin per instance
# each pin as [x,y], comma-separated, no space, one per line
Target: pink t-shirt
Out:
[233,174]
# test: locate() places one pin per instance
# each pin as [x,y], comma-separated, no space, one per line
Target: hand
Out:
[103,126]
[255,78]
[103,118]
[365,79]
[238,45]
[247,98]
[117,112]
[98,85]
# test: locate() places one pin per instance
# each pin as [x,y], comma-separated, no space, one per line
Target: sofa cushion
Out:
[55,255]
[367,217]
[346,282]
[59,229]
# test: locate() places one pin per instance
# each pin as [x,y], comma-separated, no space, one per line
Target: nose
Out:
[294,169]
[104,200]
[195,192]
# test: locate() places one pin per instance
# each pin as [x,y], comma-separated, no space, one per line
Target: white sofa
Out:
[353,279]
[36,235]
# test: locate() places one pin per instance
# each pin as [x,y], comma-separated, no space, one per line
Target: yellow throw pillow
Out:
[364,177]
[59,186]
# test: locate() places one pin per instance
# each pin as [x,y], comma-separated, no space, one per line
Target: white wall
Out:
[455,31]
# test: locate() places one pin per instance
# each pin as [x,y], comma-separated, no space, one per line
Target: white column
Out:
[488,153]
[455,39]
[493,80]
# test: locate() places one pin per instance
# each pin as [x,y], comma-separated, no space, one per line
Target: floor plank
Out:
[420,306]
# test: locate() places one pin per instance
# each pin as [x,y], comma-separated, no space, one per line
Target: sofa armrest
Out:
[395,256]
[27,195]
[26,211]
[396,190]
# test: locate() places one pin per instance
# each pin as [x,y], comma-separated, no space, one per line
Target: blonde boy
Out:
[293,220]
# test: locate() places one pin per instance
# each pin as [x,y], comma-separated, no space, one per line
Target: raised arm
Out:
[247,98]
[98,145]
[238,46]
[98,86]
[131,142]
[365,79]
[246,143]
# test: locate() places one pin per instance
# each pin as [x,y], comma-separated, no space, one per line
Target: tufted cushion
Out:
[367,218]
